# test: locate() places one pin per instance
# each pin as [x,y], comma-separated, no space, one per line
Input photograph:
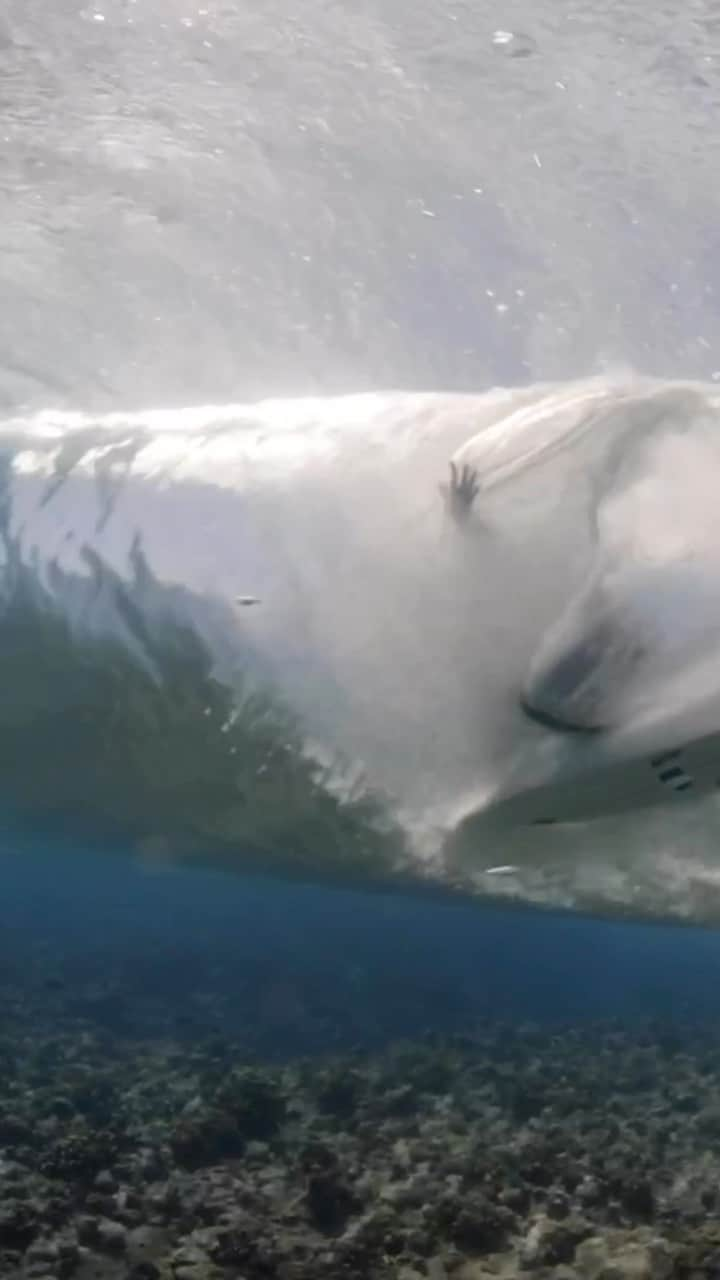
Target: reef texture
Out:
[578,1154]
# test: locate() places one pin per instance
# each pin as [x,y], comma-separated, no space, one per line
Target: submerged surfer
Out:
[462,490]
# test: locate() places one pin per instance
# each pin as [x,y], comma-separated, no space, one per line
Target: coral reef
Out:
[587,1154]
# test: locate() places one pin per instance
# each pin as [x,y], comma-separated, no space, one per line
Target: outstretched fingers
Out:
[469,483]
[463,488]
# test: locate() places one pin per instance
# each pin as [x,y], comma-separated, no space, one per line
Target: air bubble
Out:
[514,43]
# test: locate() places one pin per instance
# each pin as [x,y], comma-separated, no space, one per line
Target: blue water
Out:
[294,969]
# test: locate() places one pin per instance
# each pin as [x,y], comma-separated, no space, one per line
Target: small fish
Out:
[246,602]
[507,870]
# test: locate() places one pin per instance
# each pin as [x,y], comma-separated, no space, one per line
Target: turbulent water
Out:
[253,634]
[215,202]
[268,637]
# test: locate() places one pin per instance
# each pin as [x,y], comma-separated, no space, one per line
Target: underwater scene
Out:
[208,1077]
[359,640]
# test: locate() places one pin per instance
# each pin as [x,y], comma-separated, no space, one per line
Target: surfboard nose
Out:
[588,667]
[569,691]
[550,720]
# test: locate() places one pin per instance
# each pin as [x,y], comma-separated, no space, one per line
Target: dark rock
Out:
[330,1201]
[243,1247]
[111,1236]
[517,1198]
[638,1199]
[378,1236]
[205,1138]
[557,1205]
[15,1131]
[400,1101]
[255,1102]
[19,1224]
[480,1225]
[339,1090]
[42,1251]
[145,1270]
[87,1229]
[81,1155]
[559,1240]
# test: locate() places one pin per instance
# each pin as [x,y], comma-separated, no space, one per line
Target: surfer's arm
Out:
[462,490]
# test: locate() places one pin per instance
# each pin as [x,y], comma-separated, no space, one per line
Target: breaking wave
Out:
[271,636]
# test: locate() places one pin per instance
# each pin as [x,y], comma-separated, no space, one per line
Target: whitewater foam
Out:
[355,721]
